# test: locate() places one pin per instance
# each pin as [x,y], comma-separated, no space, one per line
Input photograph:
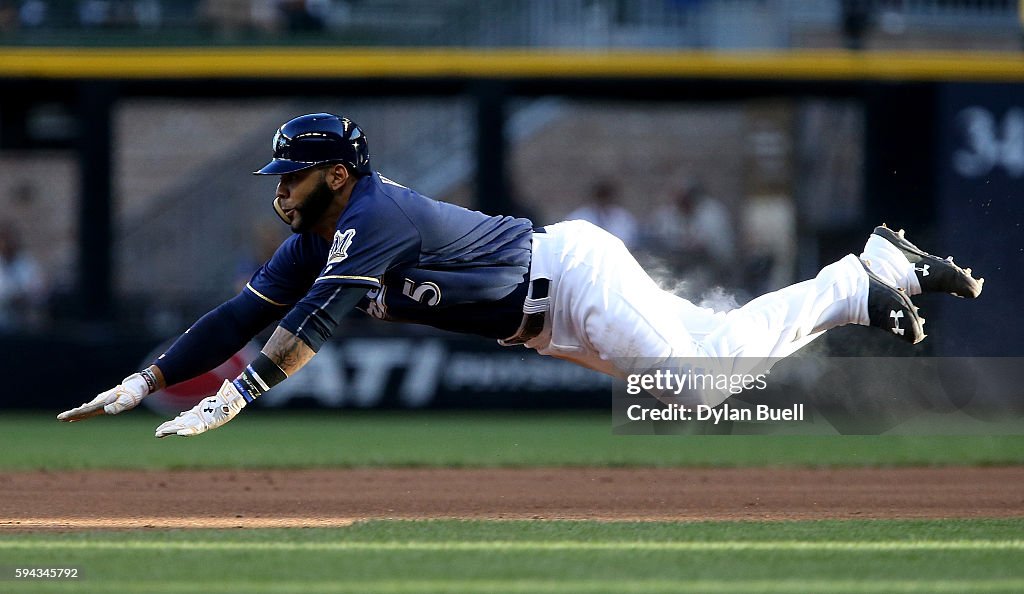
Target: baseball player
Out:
[568,290]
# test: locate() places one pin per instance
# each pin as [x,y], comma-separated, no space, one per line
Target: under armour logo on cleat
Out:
[896,315]
[923,270]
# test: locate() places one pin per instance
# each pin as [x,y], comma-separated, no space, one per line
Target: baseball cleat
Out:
[935,274]
[890,309]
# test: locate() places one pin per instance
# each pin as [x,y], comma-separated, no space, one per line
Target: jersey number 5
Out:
[426,293]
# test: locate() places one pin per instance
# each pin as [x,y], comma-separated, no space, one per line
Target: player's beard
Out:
[314,207]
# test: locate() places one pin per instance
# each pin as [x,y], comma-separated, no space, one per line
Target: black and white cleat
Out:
[935,274]
[890,309]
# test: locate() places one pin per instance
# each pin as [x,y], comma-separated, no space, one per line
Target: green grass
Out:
[414,557]
[278,439]
[537,557]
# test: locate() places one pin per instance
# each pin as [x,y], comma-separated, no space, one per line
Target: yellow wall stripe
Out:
[305,62]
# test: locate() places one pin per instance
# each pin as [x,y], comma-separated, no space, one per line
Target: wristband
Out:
[259,376]
[150,378]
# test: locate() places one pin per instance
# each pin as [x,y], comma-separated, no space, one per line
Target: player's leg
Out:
[777,324]
[606,312]
[606,309]
[872,290]
[603,302]
[892,257]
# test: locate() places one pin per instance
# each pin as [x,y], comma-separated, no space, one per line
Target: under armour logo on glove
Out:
[209,414]
[896,315]
[923,270]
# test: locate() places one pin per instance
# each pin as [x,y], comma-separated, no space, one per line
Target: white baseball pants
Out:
[606,313]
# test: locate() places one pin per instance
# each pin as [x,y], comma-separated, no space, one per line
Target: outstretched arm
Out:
[287,351]
[208,343]
[301,333]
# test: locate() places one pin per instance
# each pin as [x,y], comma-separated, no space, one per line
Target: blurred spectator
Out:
[118,13]
[148,13]
[302,16]
[855,21]
[22,295]
[8,16]
[696,231]
[94,13]
[604,211]
[226,17]
[768,225]
[33,13]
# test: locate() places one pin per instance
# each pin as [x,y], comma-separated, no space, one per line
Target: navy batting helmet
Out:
[315,139]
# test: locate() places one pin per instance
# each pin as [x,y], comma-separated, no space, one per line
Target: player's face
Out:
[304,197]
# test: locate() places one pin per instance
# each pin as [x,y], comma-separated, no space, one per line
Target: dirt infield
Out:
[287,498]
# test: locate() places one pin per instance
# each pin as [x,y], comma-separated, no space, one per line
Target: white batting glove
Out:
[210,413]
[125,396]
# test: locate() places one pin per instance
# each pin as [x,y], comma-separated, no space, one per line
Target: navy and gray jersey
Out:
[422,261]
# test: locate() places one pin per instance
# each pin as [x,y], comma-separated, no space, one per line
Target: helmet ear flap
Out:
[280,211]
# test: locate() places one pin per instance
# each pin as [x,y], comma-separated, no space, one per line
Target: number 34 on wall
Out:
[986,143]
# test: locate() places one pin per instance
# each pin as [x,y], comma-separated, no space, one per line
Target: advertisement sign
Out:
[399,371]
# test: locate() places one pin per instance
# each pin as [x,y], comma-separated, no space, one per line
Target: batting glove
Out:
[125,396]
[210,413]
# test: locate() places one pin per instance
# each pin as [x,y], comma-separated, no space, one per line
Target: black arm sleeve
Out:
[216,336]
[315,318]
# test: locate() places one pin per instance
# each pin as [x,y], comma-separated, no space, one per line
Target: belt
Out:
[535,310]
